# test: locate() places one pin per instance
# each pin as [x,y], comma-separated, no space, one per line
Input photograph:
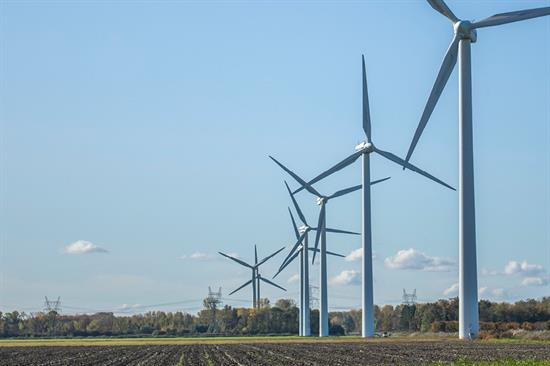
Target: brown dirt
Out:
[271,354]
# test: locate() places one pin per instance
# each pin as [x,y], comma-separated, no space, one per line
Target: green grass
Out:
[508,362]
[33,342]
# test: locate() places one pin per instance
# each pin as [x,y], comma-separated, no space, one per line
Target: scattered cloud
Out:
[127,307]
[523,269]
[534,281]
[197,256]
[83,247]
[357,255]
[488,272]
[499,293]
[346,277]
[416,260]
[451,291]
[294,278]
[482,291]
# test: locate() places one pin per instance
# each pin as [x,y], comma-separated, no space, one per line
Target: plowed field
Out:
[289,353]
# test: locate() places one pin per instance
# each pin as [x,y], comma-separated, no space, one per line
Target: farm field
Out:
[273,352]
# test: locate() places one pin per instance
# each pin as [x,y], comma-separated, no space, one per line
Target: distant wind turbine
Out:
[365,149]
[322,200]
[256,277]
[301,248]
[464,34]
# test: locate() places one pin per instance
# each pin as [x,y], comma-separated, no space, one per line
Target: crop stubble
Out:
[284,354]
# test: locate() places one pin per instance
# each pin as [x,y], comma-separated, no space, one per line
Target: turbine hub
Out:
[463,30]
[321,200]
[365,147]
[303,229]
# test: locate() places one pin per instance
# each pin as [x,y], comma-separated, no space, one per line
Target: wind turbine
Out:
[321,235]
[364,149]
[256,277]
[301,248]
[464,34]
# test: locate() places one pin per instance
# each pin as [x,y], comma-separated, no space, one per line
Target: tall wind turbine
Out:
[365,149]
[256,277]
[464,34]
[301,248]
[321,236]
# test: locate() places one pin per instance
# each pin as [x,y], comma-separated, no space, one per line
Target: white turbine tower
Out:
[465,34]
[301,248]
[256,277]
[321,236]
[365,149]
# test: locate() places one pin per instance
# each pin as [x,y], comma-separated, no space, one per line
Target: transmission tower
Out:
[52,308]
[409,299]
[313,297]
[212,303]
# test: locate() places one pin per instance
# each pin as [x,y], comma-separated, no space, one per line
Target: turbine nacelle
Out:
[321,200]
[304,229]
[464,30]
[365,147]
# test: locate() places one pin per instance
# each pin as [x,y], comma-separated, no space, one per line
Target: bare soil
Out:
[271,354]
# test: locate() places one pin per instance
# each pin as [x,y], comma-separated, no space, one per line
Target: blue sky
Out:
[143,128]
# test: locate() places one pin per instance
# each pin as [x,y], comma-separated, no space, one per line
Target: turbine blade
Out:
[513,16]
[366,109]
[268,257]
[272,283]
[298,210]
[441,7]
[320,226]
[296,232]
[255,254]
[341,165]
[398,160]
[445,71]
[303,183]
[290,260]
[236,260]
[294,248]
[343,192]
[244,285]
[379,181]
[336,254]
[331,253]
[338,231]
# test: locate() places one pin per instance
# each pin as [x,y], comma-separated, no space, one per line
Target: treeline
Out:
[280,318]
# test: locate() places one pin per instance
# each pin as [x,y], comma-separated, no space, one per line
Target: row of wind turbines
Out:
[465,33]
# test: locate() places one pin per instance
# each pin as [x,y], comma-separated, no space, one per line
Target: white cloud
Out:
[197,256]
[294,278]
[126,307]
[355,255]
[482,291]
[488,272]
[451,291]
[534,281]
[413,259]
[523,269]
[84,247]
[346,277]
[499,292]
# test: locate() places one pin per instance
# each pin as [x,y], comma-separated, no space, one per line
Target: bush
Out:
[336,330]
